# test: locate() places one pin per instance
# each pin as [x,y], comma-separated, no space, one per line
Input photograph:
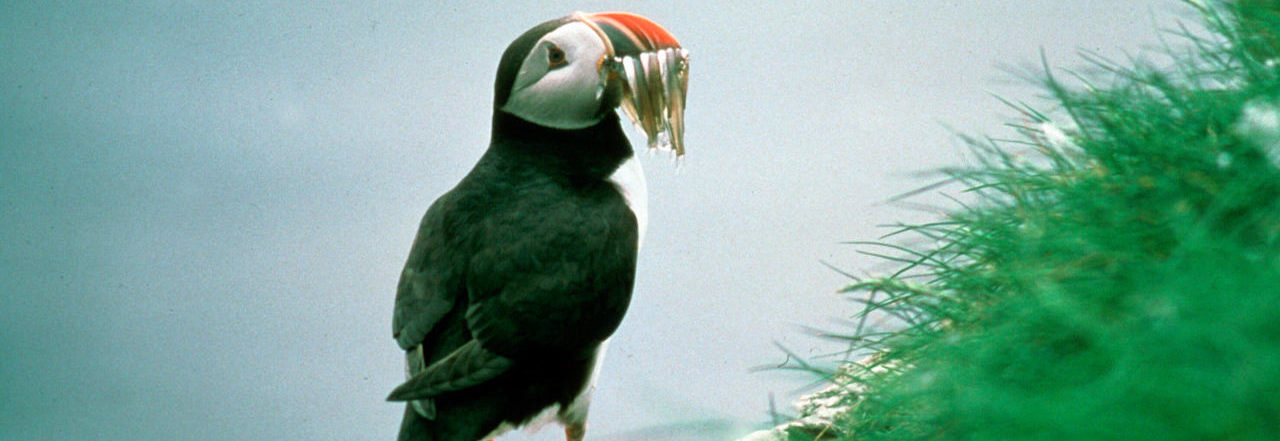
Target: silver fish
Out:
[654,90]
[653,70]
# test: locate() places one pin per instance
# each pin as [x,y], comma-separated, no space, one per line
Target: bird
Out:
[520,273]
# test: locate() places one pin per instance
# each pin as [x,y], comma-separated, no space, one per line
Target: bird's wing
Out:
[427,292]
[424,294]
[467,366]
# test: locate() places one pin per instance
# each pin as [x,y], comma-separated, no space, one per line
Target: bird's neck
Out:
[594,151]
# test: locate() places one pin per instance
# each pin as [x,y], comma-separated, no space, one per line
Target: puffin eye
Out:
[555,56]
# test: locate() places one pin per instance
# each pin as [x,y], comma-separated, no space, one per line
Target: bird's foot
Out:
[575,432]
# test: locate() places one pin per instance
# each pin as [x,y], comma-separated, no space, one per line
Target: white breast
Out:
[629,180]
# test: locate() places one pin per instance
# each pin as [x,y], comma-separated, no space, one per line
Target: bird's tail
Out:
[414,427]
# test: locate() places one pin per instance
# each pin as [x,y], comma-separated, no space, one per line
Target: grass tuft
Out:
[1116,274]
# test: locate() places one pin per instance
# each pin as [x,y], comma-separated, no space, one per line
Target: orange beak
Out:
[653,70]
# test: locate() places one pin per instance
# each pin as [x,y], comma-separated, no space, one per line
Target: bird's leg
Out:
[575,432]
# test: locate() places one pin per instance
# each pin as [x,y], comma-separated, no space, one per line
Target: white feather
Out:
[575,413]
[628,179]
[563,97]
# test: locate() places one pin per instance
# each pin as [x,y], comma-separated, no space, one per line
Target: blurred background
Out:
[204,206]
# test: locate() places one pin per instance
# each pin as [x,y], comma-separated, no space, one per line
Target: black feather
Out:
[516,277]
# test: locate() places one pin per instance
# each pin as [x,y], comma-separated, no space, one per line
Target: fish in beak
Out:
[652,71]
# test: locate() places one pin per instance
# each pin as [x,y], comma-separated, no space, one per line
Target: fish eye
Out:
[555,56]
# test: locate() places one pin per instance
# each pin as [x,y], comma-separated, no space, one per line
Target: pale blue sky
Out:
[204,206]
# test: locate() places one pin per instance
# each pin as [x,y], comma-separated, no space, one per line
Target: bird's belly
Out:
[539,390]
[572,412]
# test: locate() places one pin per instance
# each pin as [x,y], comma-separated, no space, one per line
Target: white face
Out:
[559,84]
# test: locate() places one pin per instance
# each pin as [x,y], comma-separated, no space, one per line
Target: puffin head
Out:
[569,73]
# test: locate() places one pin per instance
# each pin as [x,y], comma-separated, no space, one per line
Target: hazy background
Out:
[204,206]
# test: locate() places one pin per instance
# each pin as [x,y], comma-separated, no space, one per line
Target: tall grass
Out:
[1116,275]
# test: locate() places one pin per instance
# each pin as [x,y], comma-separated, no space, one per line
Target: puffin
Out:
[520,273]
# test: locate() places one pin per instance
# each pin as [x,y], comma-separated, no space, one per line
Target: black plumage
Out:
[516,275]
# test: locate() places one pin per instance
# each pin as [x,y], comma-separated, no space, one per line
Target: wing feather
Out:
[424,294]
[468,366]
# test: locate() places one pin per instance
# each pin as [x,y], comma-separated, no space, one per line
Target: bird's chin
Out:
[611,97]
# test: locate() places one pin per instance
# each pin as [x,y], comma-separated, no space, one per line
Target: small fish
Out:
[654,70]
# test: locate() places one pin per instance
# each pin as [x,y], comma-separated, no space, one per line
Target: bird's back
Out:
[550,253]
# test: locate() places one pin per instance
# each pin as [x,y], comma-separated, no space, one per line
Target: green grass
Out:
[1121,282]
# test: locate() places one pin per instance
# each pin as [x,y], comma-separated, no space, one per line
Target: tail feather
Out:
[466,420]
[414,427]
